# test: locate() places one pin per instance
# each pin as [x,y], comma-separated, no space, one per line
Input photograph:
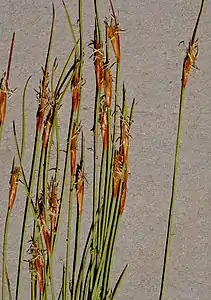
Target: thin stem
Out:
[10,60]
[118,283]
[5,251]
[67,264]
[82,265]
[174,181]
[51,278]
[24,119]
[76,250]
[71,29]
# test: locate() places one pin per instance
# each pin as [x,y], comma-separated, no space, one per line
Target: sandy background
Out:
[151,68]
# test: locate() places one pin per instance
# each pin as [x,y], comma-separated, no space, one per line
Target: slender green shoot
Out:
[189,62]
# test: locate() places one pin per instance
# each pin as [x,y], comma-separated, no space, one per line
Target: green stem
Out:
[79,285]
[50,275]
[98,20]
[95,180]
[67,265]
[101,200]
[118,283]
[24,119]
[110,257]
[174,181]
[5,251]
[71,29]
[96,193]
[75,257]
[114,137]
[57,149]
[26,211]
[108,186]
[111,230]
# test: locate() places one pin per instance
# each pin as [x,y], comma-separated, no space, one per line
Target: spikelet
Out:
[75,90]
[73,148]
[104,125]
[43,225]
[107,81]
[15,173]
[4,85]
[98,61]
[53,204]
[118,159]
[113,34]
[42,96]
[80,176]
[190,61]
[3,99]
[37,265]
[123,192]
[47,128]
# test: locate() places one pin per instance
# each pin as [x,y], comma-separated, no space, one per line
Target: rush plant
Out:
[49,177]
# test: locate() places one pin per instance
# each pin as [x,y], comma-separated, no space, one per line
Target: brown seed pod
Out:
[80,176]
[73,148]
[124,139]
[4,85]
[53,203]
[42,95]
[190,61]
[113,34]
[75,90]
[40,115]
[118,159]
[107,86]
[43,225]
[3,99]
[98,65]
[13,186]
[75,98]
[37,264]
[124,192]
[47,238]
[104,125]
[47,128]
[76,78]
